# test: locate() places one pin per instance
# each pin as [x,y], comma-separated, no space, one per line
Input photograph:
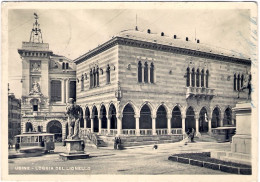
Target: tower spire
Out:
[36,34]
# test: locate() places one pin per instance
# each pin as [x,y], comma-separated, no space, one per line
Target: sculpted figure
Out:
[247,85]
[36,88]
[74,115]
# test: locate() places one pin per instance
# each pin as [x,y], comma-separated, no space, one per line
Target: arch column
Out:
[108,123]
[197,125]
[67,90]
[209,125]
[92,124]
[154,125]
[142,73]
[183,117]
[169,117]
[148,73]
[119,124]
[137,126]
[62,91]
[99,123]
[85,121]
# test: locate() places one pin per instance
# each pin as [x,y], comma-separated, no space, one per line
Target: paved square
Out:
[133,160]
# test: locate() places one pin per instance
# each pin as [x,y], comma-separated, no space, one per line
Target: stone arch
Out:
[103,116]
[87,117]
[112,114]
[151,107]
[164,105]
[216,117]
[145,121]
[94,116]
[176,120]
[133,106]
[190,121]
[55,127]
[128,120]
[227,119]
[28,126]
[161,117]
[203,120]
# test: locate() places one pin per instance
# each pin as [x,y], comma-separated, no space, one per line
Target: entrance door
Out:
[203,121]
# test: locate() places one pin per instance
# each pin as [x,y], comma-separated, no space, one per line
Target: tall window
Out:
[94,77]
[63,66]
[152,73]
[82,82]
[140,72]
[207,79]
[188,77]
[67,65]
[72,90]
[97,74]
[145,72]
[202,78]
[235,82]
[108,73]
[193,78]
[198,78]
[55,90]
[238,82]
[90,79]
[242,81]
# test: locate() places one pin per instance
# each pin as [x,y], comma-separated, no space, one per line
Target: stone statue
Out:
[247,85]
[74,115]
[35,89]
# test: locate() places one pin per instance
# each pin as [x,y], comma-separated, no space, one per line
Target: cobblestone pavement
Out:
[133,160]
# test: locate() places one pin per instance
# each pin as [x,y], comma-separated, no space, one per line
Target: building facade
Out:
[14,117]
[48,81]
[140,83]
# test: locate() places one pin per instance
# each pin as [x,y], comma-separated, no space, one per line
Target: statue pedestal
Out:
[241,142]
[74,150]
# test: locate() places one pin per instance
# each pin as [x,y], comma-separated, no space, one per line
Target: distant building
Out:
[14,117]
[48,81]
[141,83]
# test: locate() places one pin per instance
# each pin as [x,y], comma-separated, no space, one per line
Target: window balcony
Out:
[199,92]
[44,114]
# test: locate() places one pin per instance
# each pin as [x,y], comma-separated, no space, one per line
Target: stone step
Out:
[236,160]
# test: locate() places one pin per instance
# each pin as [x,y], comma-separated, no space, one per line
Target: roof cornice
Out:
[159,47]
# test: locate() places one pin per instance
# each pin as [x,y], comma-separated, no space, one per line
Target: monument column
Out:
[154,125]
[137,127]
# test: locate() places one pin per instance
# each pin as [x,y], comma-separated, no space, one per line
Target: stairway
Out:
[205,137]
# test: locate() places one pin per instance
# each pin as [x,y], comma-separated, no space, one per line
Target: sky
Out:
[73,32]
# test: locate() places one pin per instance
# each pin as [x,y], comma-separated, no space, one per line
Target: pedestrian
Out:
[118,143]
[115,143]
[82,145]
[192,134]
[16,146]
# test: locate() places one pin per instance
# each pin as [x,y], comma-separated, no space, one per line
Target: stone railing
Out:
[45,114]
[199,91]
[113,132]
[176,131]
[128,131]
[163,131]
[146,131]
[104,132]
[91,136]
